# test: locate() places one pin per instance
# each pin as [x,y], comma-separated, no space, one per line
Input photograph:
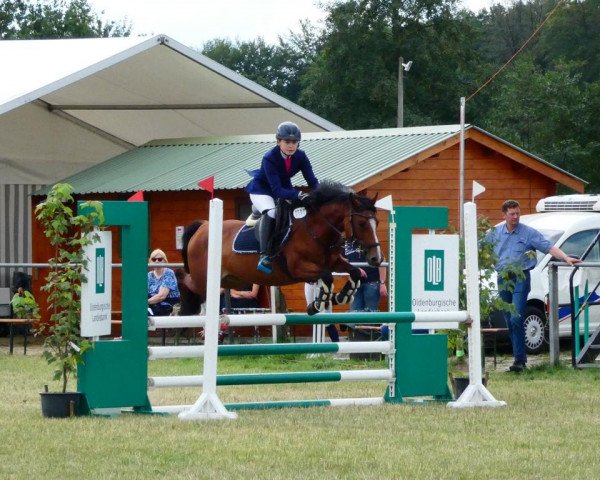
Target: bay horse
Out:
[320,225]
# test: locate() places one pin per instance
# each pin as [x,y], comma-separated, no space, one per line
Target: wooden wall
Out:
[435,182]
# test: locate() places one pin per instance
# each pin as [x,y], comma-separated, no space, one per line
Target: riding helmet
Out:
[288,131]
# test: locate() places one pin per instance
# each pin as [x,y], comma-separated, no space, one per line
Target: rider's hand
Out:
[302,196]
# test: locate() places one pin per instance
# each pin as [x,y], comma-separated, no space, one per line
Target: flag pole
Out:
[461,186]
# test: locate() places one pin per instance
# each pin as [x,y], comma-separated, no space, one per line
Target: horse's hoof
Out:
[311,309]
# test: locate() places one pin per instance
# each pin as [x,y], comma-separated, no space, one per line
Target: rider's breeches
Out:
[262,203]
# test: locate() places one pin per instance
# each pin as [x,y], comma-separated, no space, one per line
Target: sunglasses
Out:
[158,259]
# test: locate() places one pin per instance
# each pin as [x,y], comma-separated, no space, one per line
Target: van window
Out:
[552,236]
[577,243]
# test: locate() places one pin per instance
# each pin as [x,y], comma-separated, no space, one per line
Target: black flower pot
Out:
[61,405]
[460,384]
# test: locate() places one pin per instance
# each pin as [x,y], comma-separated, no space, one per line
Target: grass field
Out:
[547,431]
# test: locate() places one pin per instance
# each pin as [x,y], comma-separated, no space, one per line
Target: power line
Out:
[510,60]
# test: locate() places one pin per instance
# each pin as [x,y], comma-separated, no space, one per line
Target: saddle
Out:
[246,240]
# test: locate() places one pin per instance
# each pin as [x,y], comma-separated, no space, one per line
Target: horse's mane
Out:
[329,191]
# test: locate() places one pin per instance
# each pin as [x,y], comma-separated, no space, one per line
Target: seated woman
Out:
[239,299]
[162,286]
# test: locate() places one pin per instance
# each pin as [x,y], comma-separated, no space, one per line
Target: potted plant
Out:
[63,346]
[24,305]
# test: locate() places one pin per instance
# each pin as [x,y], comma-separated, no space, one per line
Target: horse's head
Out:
[336,209]
[363,222]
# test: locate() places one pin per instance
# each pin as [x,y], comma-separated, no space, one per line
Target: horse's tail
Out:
[189,302]
[187,235]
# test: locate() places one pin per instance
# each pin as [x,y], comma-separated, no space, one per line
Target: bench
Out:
[11,331]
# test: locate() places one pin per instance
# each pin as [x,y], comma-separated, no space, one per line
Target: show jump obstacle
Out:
[114,375]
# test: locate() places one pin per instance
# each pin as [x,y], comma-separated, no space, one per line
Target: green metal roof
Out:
[349,157]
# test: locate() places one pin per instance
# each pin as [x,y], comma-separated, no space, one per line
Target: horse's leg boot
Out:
[265,231]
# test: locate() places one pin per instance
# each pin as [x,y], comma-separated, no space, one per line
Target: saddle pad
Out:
[245,241]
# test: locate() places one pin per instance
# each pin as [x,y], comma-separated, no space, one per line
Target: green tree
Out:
[549,113]
[276,67]
[573,34]
[353,81]
[504,29]
[41,19]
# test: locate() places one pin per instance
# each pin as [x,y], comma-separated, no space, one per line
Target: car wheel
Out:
[536,330]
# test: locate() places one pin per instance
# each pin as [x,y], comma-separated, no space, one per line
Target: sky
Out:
[193,22]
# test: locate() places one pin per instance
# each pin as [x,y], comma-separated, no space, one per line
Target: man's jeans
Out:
[366,298]
[515,321]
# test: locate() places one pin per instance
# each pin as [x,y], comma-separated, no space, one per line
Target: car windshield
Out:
[552,236]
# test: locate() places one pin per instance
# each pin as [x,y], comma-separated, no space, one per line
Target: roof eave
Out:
[527,159]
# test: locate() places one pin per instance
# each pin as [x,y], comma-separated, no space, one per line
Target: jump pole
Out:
[476,394]
[209,406]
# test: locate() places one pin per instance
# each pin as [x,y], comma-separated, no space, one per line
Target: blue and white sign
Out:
[96,292]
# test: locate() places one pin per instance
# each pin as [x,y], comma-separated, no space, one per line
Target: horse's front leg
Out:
[346,294]
[324,297]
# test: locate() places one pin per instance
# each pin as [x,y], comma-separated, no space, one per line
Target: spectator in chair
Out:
[246,298]
[163,292]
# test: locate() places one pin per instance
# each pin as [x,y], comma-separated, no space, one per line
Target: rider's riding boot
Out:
[264,238]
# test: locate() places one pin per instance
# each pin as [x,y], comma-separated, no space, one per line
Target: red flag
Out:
[208,184]
[137,197]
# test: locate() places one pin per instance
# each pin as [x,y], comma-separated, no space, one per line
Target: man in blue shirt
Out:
[515,245]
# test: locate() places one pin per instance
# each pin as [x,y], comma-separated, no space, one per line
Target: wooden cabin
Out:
[416,166]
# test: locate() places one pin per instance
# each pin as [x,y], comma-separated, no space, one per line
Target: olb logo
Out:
[100,270]
[434,270]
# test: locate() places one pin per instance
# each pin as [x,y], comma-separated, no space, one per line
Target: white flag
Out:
[385,203]
[477,189]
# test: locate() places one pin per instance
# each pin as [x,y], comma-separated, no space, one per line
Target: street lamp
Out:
[402,67]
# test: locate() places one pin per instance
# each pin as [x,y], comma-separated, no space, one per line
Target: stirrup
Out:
[264,265]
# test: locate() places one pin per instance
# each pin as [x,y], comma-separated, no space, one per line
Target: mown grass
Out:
[547,430]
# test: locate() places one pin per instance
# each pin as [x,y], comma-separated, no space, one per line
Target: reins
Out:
[339,233]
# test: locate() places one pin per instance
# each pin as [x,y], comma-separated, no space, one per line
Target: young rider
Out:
[273,181]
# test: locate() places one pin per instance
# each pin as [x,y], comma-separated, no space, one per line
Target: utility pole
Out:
[400,93]
[402,67]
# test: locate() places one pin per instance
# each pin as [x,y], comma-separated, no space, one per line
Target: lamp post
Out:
[402,67]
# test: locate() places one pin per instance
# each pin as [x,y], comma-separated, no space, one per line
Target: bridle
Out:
[339,234]
[369,218]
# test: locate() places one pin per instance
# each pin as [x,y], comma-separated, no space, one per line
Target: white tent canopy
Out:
[68,104]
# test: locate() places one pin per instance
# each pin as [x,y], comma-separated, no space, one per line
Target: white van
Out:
[572,223]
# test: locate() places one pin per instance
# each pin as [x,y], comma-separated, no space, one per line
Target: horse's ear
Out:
[375,197]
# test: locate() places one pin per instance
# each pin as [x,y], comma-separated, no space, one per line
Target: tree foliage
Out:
[43,19]
[546,101]
[354,81]
[276,67]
